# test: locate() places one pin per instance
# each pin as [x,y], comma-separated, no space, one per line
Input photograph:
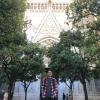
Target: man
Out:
[49,90]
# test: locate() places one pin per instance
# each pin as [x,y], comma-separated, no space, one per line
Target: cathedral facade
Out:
[46,19]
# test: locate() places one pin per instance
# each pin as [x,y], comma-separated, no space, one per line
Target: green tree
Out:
[31,64]
[61,62]
[90,28]
[11,19]
[86,18]
[10,68]
[80,65]
[79,48]
[11,37]
[70,59]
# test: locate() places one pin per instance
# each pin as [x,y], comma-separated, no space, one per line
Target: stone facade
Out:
[47,19]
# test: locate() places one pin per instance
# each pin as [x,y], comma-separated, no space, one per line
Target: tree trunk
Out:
[26,88]
[85,90]
[10,91]
[71,96]
[25,94]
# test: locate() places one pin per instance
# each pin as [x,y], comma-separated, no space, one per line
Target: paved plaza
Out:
[34,91]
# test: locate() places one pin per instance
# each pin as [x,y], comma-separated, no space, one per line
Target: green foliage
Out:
[81,9]
[71,38]
[95,7]
[2,78]
[17,63]
[95,25]
[77,56]
[31,62]
[67,57]
[96,71]
[11,19]
[79,48]
[11,38]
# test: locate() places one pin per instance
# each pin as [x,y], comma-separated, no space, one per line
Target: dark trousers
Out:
[64,96]
[49,98]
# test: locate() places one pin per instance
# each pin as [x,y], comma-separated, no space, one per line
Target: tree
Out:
[23,65]
[81,70]
[70,60]
[78,49]
[61,63]
[85,49]
[2,79]
[86,18]
[31,64]
[11,37]
[10,69]
[11,17]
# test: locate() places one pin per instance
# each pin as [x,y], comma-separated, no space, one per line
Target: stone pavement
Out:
[34,92]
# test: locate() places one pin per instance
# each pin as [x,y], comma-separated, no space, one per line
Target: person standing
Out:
[49,88]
